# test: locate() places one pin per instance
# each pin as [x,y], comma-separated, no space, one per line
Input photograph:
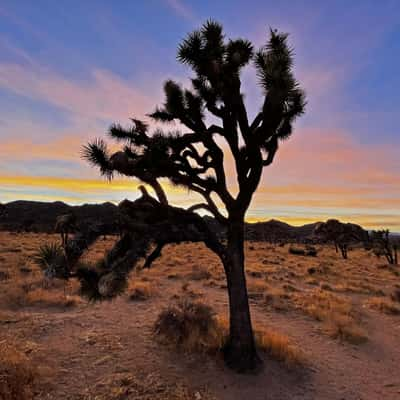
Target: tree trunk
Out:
[343,249]
[240,351]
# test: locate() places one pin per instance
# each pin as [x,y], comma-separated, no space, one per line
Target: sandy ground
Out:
[108,351]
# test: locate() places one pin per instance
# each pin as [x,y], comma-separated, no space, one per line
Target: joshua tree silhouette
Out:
[342,235]
[383,244]
[65,224]
[195,160]
[2,209]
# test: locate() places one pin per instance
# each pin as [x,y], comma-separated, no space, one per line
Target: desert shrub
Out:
[278,346]
[311,270]
[275,344]
[344,328]
[297,251]
[139,291]
[50,298]
[395,295]
[18,376]
[51,259]
[336,312]
[307,251]
[325,286]
[311,251]
[199,273]
[194,327]
[384,305]
[277,299]
[4,276]
[191,326]
[189,293]
[34,290]
[256,289]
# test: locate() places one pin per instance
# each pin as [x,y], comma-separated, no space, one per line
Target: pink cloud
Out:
[104,95]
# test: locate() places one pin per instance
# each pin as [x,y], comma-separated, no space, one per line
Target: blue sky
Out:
[69,69]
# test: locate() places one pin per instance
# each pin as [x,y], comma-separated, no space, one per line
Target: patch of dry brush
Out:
[194,327]
[336,312]
[18,376]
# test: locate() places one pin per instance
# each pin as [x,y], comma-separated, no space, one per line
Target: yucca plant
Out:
[51,259]
[194,159]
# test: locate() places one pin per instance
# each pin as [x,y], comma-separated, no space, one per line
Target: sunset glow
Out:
[62,84]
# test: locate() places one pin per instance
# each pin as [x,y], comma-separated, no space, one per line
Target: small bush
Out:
[51,259]
[191,326]
[297,251]
[140,291]
[337,313]
[278,346]
[384,305]
[49,298]
[344,328]
[194,327]
[277,299]
[311,251]
[395,295]
[18,377]
[199,274]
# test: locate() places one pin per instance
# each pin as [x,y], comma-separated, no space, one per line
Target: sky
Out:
[69,69]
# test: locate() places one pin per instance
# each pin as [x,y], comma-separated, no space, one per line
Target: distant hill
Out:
[274,230]
[37,216]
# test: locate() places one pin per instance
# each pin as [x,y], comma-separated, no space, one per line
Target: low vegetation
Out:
[340,318]
[140,290]
[384,305]
[193,326]
[18,375]
[344,296]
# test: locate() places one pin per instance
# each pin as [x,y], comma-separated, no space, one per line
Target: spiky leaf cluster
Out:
[194,159]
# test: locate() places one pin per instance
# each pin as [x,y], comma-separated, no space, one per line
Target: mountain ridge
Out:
[37,216]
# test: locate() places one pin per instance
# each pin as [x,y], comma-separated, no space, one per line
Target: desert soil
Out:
[108,351]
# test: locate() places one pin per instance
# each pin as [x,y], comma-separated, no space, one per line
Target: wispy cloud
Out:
[104,95]
[181,9]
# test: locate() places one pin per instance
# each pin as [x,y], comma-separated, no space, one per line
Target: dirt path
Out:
[91,352]
[85,346]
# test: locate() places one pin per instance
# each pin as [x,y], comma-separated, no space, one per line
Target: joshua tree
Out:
[342,235]
[65,224]
[384,245]
[195,159]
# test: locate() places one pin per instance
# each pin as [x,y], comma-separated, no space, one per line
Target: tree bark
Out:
[240,351]
[343,249]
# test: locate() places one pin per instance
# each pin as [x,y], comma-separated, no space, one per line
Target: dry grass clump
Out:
[140,290]
[344,328]
[395,295]
[384,305]
[191,326]
[18,377]
[277,298]
[256,289]
[194,327]
[337,313]
[33,290]
[278,346]
[199,274]
[298,251]
[275,344]
[51,298]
